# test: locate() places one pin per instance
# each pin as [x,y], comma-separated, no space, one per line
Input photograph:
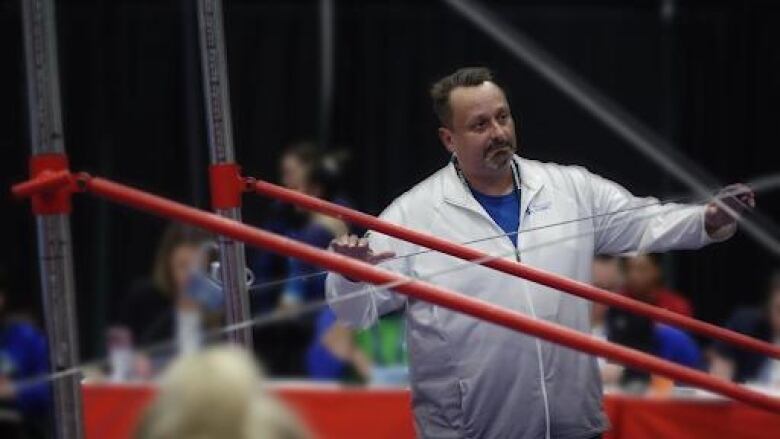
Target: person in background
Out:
[288,348]
[762,323]
[643,334]
[214,394]
[303,167]
[159,309]
[322,181]
[295,166]
[23,355]
[374,356]
[304,285]
[645,282]
[632,330]
[607,274]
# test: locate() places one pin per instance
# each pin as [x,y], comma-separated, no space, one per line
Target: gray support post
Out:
[327,68]
[53,230]
[216,94]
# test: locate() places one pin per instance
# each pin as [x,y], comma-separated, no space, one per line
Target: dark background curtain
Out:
[705,77]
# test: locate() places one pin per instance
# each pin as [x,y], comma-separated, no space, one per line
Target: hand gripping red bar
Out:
[449,299]
[515,268]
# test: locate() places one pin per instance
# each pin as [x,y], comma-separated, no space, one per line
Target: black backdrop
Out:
[132,102]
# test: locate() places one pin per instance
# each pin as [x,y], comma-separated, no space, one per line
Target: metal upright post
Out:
[52,214]
[327,68]
[220,132]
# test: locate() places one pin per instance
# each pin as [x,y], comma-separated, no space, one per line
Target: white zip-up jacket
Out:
[472,379]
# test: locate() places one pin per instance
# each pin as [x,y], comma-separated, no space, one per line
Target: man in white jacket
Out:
[472,379]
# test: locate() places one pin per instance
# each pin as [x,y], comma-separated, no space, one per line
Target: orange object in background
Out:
[111,411]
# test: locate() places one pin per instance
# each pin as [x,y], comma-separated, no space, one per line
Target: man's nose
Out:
[498,131]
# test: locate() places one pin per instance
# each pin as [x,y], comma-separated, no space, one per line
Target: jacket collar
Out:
[455,192]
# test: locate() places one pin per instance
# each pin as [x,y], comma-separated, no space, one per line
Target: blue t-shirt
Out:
[675,345]
[504,209]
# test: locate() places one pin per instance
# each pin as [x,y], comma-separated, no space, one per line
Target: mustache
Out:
[499,144]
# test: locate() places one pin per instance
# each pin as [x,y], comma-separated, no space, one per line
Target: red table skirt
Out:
[111,411]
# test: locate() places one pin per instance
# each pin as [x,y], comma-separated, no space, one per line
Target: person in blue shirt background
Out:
[23,355]
[643,334]
[762,323]
[294,348]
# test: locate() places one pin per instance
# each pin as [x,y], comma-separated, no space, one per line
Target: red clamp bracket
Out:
[226,185]
[50,186]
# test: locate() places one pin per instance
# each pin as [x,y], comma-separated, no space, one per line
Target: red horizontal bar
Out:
[440,296]
[516,268]
[47,181]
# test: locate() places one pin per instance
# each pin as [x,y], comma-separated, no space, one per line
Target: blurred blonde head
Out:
[217,394]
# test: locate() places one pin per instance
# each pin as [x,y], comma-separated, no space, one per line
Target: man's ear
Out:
[445,135]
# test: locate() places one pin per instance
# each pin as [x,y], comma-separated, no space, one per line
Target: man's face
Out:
[481,132]
[642,276]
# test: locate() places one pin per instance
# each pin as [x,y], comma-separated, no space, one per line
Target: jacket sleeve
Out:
[358,304]
[655,228]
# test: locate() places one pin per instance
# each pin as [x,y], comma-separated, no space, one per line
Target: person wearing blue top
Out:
[763,323]
[23,355]
[676,346]
[643,334]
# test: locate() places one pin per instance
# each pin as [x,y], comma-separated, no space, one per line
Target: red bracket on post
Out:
[226,185]
[49,186]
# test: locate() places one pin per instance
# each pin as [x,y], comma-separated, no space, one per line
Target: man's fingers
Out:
[380,257]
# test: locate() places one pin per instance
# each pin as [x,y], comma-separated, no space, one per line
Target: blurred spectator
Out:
[607,274]
[159,309]
[644,282]
[376,356]
[23,355]
[632,330]
[643,334]
[315,229]
[761,323]
[288,348]
[216,394]
[295,166]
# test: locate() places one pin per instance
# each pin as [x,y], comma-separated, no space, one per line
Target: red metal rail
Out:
[515,268]
[449,299]
[47,181]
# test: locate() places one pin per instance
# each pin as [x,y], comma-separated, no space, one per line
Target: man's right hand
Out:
[354,247]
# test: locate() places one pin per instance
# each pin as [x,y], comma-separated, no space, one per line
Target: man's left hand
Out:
[737,197]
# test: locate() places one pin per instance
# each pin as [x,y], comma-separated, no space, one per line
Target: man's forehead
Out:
[472,100]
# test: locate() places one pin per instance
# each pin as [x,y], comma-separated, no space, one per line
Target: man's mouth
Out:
[499,149]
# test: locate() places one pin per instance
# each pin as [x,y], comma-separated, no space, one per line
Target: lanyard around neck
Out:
[515,180]
[515,176]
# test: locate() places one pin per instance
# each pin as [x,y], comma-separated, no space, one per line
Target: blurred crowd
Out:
[641,277]
[178,309]
[181,299]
